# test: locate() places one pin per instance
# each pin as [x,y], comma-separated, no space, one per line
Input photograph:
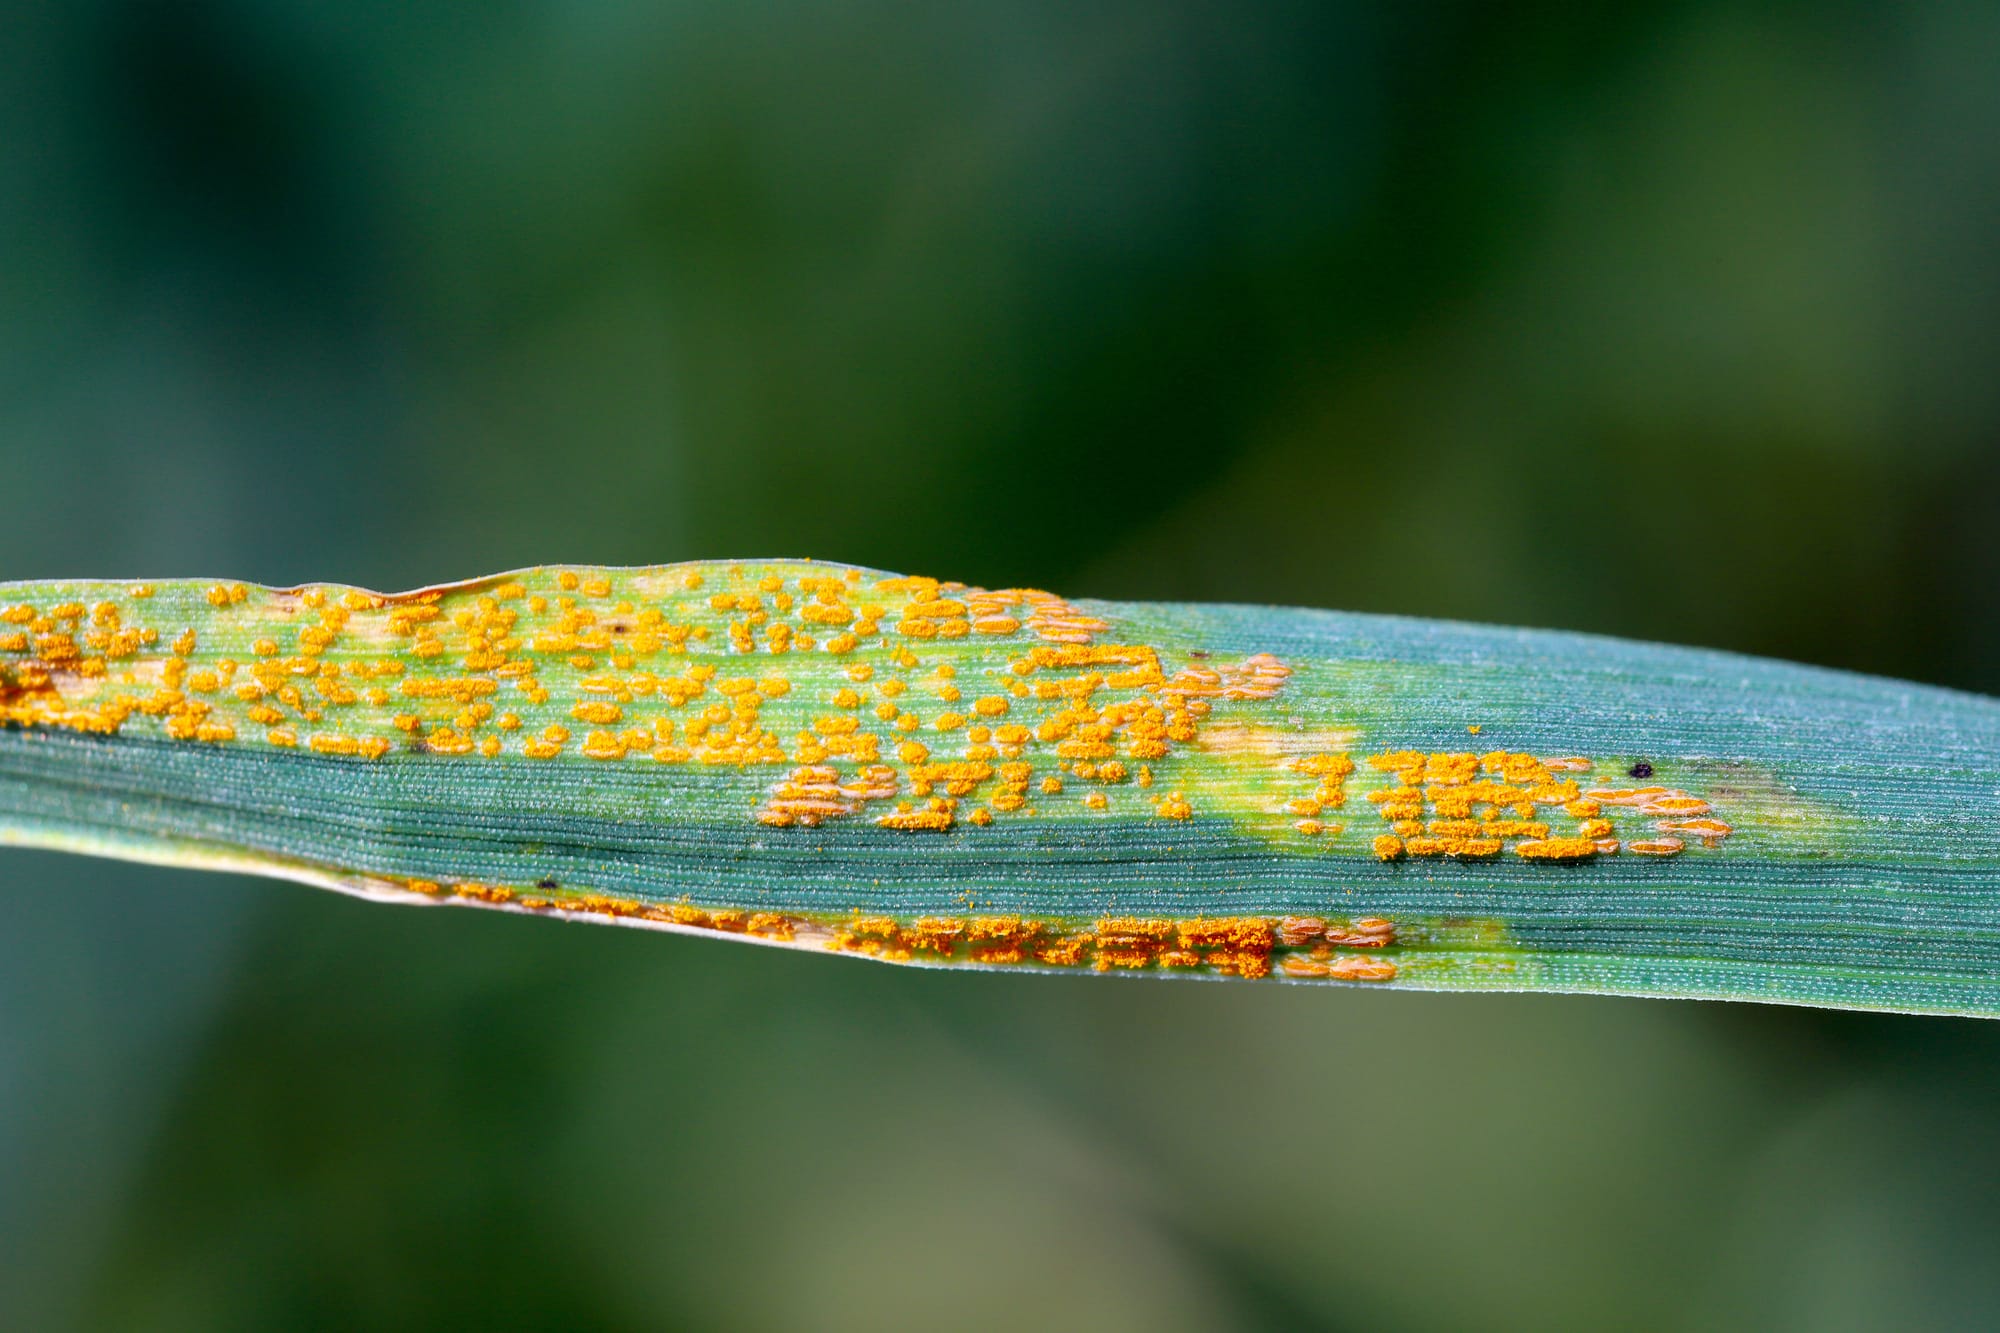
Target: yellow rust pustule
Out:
[1247,947]
[1222,946]
[1469,806]
[912,706]
[645,642]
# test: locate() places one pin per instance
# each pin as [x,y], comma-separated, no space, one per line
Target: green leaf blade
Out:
[832,758]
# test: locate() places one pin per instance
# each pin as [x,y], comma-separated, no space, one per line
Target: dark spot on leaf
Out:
[547,882]
[1642,769]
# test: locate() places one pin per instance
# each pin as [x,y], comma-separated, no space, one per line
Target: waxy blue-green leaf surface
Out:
[836,759]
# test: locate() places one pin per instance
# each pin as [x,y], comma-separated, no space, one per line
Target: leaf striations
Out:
[819,756]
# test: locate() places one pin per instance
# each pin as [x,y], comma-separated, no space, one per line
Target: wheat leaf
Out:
[831,758]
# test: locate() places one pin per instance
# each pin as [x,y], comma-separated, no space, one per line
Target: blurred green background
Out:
[1671,320]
